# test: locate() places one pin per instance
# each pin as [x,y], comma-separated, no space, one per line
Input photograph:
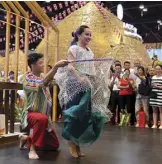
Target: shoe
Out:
[154,127]
[160,127]
[137,125]
[146,126]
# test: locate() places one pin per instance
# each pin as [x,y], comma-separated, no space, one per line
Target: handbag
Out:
[144,88]
[125,117]
[142,119]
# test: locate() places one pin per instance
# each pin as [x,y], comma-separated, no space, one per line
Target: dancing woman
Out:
[84,93]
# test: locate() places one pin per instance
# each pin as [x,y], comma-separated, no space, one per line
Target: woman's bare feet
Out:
[80,154]
[32,154]
[73,150]
[23,141]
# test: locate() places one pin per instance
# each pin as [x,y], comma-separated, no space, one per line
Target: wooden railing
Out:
[8,92]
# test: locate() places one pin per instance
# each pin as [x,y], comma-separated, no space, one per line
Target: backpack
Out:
[144,88]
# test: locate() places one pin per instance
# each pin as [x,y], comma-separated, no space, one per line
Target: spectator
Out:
[142,97]
[155,97]
[11,77]
[126,86]
[115,93]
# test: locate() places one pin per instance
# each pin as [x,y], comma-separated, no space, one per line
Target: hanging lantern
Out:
[55,7]
[72,8]
[64,14]
[60,5]
[60,16]
[76,6]
[68,11]
[44,9]
[71,2]
[66,4]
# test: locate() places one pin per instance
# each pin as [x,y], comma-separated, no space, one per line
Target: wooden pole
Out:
[26,44]
[55,90]
[7,39]
[46,51]
[7,46]
[25,14]
[17,37]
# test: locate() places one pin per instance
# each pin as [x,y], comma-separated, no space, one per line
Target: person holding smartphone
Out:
[115,93]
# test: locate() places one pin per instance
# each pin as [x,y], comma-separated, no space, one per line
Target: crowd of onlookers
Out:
[134,90]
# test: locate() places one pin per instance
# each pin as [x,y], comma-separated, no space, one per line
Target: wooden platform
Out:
[9,138]
[116,146]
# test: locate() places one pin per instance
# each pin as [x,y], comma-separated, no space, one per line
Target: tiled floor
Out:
[116,146]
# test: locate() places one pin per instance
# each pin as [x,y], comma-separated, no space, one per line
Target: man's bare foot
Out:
[23,141]
[80,154]
[33,155]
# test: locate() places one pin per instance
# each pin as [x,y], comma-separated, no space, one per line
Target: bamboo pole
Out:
[46,52]
[17,37]
[25,14]
[7,47]
[7,40]
[55,90]
[26,44]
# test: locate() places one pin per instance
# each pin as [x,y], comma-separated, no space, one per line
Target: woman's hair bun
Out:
[73,34]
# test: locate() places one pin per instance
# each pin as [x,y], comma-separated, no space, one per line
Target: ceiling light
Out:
[145,9]
[47,1]
[32,49]
[158,21]
[13,44]
[141,7]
